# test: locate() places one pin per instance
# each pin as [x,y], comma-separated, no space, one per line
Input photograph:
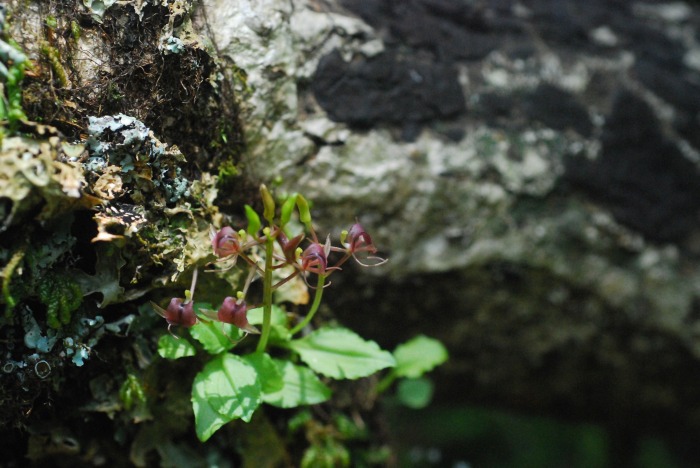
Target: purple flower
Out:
[314,259]
[358,240]
[234,312]
[180,312]
[226,242]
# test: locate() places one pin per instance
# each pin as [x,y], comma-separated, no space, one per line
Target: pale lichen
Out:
[145,163]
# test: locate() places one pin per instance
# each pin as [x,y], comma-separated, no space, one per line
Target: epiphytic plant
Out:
[232,386]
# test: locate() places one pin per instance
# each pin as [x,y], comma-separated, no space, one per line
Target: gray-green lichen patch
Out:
[145,164]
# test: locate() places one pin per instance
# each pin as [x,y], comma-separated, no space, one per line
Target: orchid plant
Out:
[233,385]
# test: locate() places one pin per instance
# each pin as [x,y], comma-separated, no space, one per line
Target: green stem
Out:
[314,306]
[267,295]
[385,382]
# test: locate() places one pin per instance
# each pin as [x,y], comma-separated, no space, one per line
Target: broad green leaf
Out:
[170,347]
[301,387]
[341,354]
[278,318]
[269,374]
[213,339]
[207,421]
[233,387]
[226,389]
[418,356]
[415,393]
[279,332]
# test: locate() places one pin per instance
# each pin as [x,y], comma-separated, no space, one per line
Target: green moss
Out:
[227,172]
[51,22]
[62,296]
[54,57]
[132,393]
[75,30]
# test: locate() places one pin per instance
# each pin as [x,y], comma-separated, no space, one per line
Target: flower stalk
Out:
[267,292]
[314,306]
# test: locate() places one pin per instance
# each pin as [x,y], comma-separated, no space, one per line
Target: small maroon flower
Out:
[314,259]
[234,312]
[178,312]
[359,241]
[225,242]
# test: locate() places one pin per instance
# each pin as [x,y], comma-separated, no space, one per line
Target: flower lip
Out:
[226,242]
[180,312]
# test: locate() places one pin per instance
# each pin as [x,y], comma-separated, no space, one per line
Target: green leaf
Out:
[226,389]
[212,337]
[341,354]
[418,356]
[207,420]
[253,220]
[269,374]
[301,387]
[278,321]
[170,347]
[415,393]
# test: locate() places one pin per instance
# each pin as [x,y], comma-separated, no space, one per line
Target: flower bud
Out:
[234,312]
[304,211]
[253,220]
[268,203]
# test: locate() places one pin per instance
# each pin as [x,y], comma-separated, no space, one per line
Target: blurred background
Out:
[531,168]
